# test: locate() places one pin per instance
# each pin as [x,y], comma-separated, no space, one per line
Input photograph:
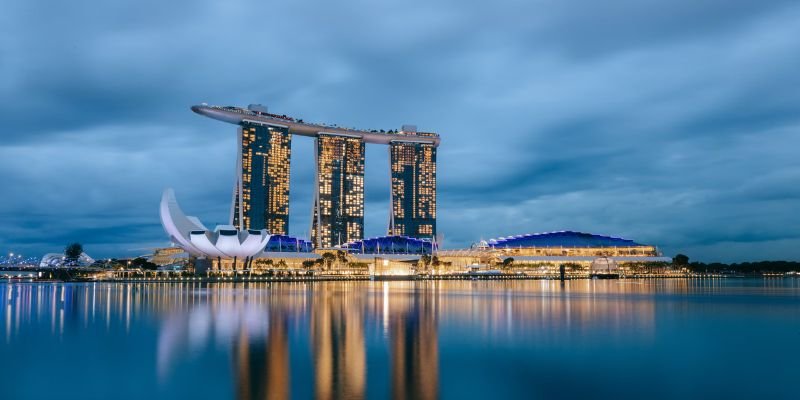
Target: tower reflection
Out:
[414,347]
[262,368]
[337,336]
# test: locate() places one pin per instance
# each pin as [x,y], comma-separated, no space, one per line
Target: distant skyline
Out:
[670,123]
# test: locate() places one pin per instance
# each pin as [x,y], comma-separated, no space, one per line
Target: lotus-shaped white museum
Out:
[225,241]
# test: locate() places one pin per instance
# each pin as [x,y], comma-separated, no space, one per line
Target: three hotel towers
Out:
[261,191]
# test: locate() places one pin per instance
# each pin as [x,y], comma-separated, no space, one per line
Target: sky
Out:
[673,123]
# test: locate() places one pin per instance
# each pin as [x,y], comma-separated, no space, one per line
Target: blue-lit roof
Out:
[561,239]
[391,245]
[284,243]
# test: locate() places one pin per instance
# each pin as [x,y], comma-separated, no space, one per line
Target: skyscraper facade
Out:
[338,212]
[261,193]
[413,170]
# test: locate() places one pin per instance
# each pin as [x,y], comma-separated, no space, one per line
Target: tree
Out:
[142,263]
[328,259]
[72,252]
[424,261]
[341,257]
[680,260]
[508,262]
[572,266]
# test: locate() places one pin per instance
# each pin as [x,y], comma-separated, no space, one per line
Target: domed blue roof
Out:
[390,245]
[561,239]
[284,243]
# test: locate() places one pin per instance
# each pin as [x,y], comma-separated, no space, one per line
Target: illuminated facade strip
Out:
[261,193]
[338,211]
[413,194]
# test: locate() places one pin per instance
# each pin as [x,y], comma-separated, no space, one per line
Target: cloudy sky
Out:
[675,123]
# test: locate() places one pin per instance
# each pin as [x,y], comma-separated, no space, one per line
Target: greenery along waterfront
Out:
[340,264]
[682,261]
[747,267]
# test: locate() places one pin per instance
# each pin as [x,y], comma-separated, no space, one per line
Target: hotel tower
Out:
[338,214]
[261,192]
[413,189]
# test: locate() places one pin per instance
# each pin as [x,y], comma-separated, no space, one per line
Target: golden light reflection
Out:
[338,212]
[337,335]
[272,330]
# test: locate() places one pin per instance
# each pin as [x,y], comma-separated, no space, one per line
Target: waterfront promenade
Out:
[133,276]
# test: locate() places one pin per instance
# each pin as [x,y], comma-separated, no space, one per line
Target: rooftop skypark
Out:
[257,114]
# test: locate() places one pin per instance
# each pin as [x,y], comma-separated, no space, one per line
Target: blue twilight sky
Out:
[675,123]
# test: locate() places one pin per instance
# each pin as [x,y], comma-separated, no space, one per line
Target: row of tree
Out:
[329,260]
[73,251]
[747,267]
[136,263]
[682,261]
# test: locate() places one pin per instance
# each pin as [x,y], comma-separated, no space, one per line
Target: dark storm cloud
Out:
[672,123]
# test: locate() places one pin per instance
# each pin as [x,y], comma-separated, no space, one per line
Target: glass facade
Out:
[261,194]
[338,213]
[391,245]
[283,243]
[413,170]
[561,239]
[571,244]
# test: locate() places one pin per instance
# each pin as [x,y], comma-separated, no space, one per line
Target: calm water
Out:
[720,339]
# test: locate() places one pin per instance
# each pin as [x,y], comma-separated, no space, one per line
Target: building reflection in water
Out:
[324,332]
[414,347]
[337,335]
[262,367]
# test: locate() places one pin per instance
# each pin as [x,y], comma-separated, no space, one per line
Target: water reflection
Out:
[414,347]
[358,339]
[337,335]
[262,366]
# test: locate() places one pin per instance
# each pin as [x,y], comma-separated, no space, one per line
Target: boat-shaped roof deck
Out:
[241,116]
